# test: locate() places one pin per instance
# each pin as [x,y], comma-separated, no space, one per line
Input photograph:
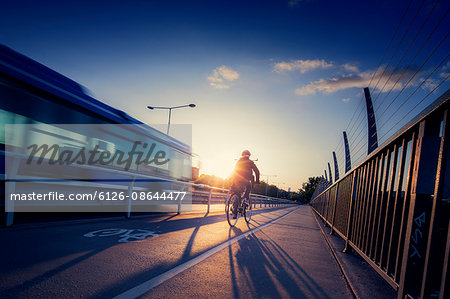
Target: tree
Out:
[309,187]
[212,180]
[262,188]
[295,196]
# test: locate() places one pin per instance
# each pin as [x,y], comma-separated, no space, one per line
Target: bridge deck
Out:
[286,257]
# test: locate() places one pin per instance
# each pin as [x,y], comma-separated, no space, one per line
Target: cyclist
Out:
[243,177]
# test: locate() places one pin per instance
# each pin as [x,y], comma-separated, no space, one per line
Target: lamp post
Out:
[170,111]
[278,188]
[267,177]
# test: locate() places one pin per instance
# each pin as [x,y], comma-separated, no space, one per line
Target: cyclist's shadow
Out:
[258,267]
[237,231]
[247,262]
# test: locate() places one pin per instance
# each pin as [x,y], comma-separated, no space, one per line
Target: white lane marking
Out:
[150,284]
[127,235]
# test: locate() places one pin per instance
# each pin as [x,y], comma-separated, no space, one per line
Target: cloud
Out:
[355,80]
[302,65]
[444,70]
[346,100]
[430,84]
[294,3]
[351,68]
[221,76]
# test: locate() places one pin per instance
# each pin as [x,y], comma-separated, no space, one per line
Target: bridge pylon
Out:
[372,143]
[348,161]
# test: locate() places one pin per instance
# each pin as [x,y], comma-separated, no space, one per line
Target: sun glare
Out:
[218,166]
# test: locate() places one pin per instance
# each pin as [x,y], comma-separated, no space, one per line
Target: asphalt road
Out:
[173,256]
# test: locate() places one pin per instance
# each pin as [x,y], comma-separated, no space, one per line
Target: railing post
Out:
[226,199]
[326,207]
[439,217]
[387,223]
[130,195]
[209,199]
[179,204]
[10,189]
[351,209]
[378,195]
[405,209]
[445,281]
[368,234]
[420,208]
[335,208]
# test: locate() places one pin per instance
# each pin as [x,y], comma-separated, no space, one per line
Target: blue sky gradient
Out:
[261,72]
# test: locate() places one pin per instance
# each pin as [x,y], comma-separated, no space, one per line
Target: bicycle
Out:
[244,208]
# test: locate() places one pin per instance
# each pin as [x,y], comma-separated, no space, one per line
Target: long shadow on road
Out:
[264,266]
[178,224]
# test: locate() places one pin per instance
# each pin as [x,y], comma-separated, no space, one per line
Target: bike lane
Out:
[77,261]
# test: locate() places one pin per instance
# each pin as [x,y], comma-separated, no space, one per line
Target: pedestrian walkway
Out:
[288,258]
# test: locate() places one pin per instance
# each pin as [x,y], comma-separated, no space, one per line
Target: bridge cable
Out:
[379,64]
[404,54]
[358,150]
[399,43]
[361,130]
[373,75]
[390,42]
[362,155]
[350,134]
[443,80]
[398,108]
[404,71]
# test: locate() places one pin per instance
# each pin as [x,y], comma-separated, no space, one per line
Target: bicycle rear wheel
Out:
[232,200]
[248,210]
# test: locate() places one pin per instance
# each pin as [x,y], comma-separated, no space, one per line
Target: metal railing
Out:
[393,208]
[210,197]
[213,195]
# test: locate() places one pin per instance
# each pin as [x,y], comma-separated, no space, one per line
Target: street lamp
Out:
[267,177]
[170,111]
[278,188]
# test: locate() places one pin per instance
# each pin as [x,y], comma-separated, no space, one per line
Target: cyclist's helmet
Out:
[246,153]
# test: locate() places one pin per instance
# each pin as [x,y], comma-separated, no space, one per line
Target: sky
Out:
[282,79]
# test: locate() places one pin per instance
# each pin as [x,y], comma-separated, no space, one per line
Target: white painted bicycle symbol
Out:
[127,235]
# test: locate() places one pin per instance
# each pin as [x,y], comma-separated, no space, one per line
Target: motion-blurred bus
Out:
[32,94]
